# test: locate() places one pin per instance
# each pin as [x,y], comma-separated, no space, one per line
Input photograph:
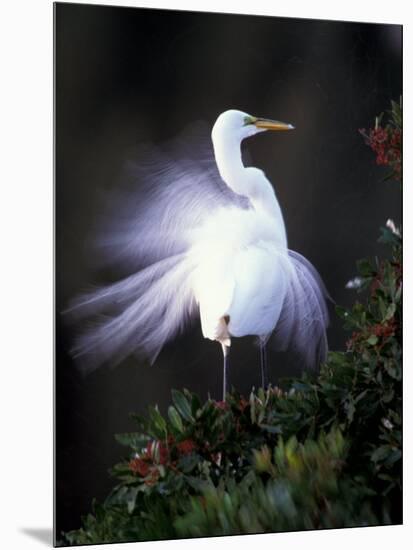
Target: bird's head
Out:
[242,125]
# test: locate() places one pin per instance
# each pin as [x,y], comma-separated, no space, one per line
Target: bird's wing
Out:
[304,316]
[165,193]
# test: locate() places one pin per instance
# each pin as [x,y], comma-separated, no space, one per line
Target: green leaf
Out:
[391,310]
[134,440]
[351,409]
[175,419]
[381,453]
[372,340]
[394,371]
[394,457]
[195,405]
[182,405]
[396,112]
[131,498]
[200,485]
[187,463]
[365,268]
[157,421]
[388,237]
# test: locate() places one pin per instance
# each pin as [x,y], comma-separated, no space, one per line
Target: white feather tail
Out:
[304,316]
[148,309]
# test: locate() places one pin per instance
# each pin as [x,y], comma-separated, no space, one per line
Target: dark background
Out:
[126,75]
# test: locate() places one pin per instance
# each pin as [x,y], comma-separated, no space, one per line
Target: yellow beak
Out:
[275,125]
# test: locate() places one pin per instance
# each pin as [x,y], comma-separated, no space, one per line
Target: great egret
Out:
[205,238]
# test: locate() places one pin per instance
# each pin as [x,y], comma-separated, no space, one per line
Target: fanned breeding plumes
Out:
[165,193]
[205,238]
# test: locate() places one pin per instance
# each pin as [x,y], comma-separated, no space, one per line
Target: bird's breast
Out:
[237,273]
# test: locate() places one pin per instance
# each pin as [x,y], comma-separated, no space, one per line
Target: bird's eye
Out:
[249,120]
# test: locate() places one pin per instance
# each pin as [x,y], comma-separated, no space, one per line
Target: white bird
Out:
[206,238]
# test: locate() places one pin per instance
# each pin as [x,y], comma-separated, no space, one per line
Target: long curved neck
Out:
[229,162]
[249,182]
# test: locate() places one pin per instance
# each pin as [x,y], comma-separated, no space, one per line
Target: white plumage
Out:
[206,238]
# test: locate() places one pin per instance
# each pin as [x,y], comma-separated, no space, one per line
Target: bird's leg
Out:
[225,384]
[264,366]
